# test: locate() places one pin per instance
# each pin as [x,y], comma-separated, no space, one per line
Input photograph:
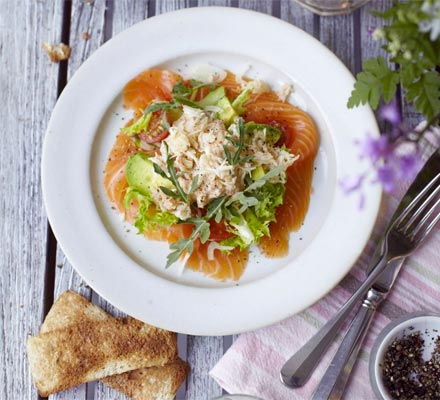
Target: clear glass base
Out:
[237,397]
[332,7]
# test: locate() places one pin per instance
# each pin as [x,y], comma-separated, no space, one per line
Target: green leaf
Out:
[175,179]
[180,89]
[215,206]
[164,123]
[161,106]
[158,170]
[228,155]
[409,72]
[145,218]
[239,145]
[183,100]
[426,94]
[265,178]
[188,90]
[194,184]
[177,250]
[141,125]
[389,86]
[376,79]
[244,200]
[169,192]
[201,229]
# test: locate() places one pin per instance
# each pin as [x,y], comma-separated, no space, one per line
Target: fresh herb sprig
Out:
[413,42]
[191,88]
[182,95]
[173,177]
[201,231]
[238,145]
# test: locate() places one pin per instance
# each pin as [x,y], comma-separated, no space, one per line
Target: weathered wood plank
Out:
[258,5]
[171,5]
[85,36]
[298,16]
[218,3]
[203,354]
[337,34]
[371,47]
[127,13]
[87,18]
[28,91]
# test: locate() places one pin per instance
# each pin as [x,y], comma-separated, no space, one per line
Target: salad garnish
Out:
[209,167]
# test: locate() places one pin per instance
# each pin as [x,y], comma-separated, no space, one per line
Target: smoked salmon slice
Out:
[223,267]
[304,143]
[152,84]
[115,182]
[267,108]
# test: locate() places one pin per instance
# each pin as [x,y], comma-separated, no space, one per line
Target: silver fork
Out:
[298,368]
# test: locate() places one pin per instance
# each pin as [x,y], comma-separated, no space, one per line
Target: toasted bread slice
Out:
[92,350]
[71,309]
[154,383]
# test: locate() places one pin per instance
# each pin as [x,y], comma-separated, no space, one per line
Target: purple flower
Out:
[390,112]
[408,165]
[374,148]
[370,31]
[386,175]
[351,183]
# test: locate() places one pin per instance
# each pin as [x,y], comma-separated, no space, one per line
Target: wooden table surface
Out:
[34,270]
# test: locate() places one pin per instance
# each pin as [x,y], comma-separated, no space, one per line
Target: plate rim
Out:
[86,270]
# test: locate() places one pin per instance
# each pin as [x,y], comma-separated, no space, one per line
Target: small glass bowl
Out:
[332,7]
[429,326]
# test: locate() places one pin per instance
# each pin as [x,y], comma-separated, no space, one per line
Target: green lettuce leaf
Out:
[251,225]
[146,218]
[138,126]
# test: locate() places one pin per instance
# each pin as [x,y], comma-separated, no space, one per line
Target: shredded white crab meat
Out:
[285,91]
[196,142]
[206,73]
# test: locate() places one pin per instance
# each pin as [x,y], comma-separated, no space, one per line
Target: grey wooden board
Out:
[85,18]
[28,90]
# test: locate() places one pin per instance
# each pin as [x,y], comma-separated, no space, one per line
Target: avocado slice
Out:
[218,98]
[228,114]
[141,176]
[213,97]
[272,134]
[258,173]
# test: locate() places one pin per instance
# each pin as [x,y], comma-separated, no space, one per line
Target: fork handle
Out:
[297,370]
[336,377]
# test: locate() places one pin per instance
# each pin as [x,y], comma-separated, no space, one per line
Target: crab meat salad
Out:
[212,166]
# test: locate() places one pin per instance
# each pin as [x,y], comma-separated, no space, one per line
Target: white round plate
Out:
[125,268]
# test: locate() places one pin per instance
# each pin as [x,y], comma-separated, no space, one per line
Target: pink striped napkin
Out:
[252,364]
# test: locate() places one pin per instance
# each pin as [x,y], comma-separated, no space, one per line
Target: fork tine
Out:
[414,219]
[426,224]
[414,204]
